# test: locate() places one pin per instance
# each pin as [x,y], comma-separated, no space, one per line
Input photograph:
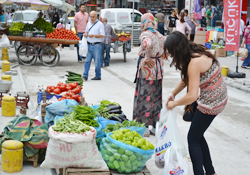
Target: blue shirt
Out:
[97,29]
[2,18]
[215,11]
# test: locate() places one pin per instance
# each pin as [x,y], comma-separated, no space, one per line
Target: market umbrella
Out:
[60,5]
[34,4]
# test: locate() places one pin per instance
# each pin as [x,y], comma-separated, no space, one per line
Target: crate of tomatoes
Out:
[62,91]
[63,34]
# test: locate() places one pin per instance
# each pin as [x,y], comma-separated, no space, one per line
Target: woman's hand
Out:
[170,105]
[170,99]
[242,45]
[150,63]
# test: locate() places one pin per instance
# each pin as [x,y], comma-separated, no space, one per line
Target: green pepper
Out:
[122,165]
[127,171]
[125,158]
[134,144]
[121,150]
[111,159]
[119,170]
[139,163]
[144,147]
[128,163]
[128,153]
[116,164]
[113,137]
[108,152]
[150,145]
[132,157]
[135,162]
[129,142]
[134,167]
[114,146]
[111,165]
[117,156]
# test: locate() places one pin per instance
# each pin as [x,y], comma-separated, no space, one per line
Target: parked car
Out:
[26,16]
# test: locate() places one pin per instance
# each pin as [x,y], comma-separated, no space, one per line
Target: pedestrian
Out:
[186,16]
[161,20]
[242,28]
[39,15]
[95,34]
[193,24]
[80,22]
[181,26]
[60,26]
[65,19]
[203,13]
[55,19]
[213,16]
[8,15]
[206,91]
[208,15]
[106,43]
[176,12]
[246,40]
[149,75]
[171,21]
[2,16]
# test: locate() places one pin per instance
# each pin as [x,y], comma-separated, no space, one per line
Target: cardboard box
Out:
[200,37]
[220,52]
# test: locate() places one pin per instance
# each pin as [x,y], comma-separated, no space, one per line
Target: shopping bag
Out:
[175,163]
[167,136]
[83,47]
[4,41]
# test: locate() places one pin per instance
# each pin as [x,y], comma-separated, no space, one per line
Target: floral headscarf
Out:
[147,22]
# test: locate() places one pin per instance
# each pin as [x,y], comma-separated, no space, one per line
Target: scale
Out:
[22,99]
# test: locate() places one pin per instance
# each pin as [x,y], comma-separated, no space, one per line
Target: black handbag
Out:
[189,112]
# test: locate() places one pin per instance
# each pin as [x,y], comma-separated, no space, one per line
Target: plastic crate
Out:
[15,33]
[40,96]
[208,45]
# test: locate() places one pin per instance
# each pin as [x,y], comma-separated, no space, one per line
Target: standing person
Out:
[39,15]
[203,13]
[246,40]
[55,20]
[2,16]
[242,28]
[171,21]
[176,12]
[186,16]
[193,24]
[148,92]
[181,26]
[80,22]
[106,43]
[161,20]
[65,19]
[208,15]
[200,70]
[8,15]
[60,26]
[95,34]
[213,16]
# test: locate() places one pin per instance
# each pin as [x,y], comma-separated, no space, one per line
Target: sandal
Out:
[244,67]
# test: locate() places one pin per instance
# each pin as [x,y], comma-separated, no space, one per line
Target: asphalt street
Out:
[228,136]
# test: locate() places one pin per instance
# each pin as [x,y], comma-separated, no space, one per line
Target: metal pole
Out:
[132,44]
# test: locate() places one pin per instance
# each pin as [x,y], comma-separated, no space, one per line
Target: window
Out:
[110,16]
[123,17]
[137,17]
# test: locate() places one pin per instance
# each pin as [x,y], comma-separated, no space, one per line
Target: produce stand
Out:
[32,48]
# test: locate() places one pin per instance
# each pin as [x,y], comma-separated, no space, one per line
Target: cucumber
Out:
[73,73]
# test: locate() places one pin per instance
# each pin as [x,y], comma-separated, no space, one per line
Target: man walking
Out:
[106,43]
[81,20]
[208,15]
[95,34]
[213,16]
[191,22]
[161,20]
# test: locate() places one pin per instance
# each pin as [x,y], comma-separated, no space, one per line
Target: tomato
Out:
[68,87]
[79,99]
[60,99]
[68,93]
[59,84]
[57,91]
[64,96]
[75,97]
[76,83]
[63,87]
[69,98]
[73,85]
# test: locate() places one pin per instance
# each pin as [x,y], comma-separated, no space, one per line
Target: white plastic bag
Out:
[60,154]
[167,136]
[83,47]
[175,163]
[4,41]
[73,137]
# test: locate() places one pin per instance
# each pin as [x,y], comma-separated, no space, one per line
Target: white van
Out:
[122,17]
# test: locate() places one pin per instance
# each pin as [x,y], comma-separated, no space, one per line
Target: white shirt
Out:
[8,16]
[242,26]
[203,12]
[97,29]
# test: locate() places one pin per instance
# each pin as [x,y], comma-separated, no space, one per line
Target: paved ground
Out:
[228,136]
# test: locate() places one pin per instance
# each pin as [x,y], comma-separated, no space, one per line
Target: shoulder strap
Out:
[93,25]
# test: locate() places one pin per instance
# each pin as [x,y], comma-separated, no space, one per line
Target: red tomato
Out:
[73,85]
[79,99]
[75,97]
[59,84]
[52,88]
[57,91]
[68,98]
[64,96]
[68,87]
[63,87]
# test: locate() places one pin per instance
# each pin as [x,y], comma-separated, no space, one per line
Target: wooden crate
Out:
[34,159]
[82,171]
[144,171]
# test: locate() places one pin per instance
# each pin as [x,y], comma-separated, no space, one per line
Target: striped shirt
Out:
[109,34]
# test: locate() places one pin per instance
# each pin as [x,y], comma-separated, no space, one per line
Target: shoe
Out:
[147,133]
[83,60]
[242,59]
[152,131]
[85,78]
[80,61]
[244,67]
[95,78]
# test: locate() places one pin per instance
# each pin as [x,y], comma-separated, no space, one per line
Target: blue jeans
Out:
[94,51]
[213,21]
[197,145]
[161,28]
[80,35]
[247,59]
[107,57]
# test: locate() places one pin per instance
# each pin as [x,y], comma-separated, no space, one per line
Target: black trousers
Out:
[192,37]
[197,145]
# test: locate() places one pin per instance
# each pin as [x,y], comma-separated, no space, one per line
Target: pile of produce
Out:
[74,77]
[17,26]
[44,25]
[111,111]
[70,91]
[69,124]
[31,27]
[85,114]
[63,34]
[113,127]
[132,138]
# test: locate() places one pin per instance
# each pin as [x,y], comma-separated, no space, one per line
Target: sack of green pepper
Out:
[127,152]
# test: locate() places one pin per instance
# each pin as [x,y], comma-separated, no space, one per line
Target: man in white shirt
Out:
[203,13]
[242,27]
[95,33]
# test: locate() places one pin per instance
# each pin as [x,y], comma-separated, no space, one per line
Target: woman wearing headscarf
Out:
[55,20]
[148,92]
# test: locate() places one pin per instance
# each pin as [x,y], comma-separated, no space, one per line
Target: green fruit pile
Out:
[17,26]
[124,161]
[44,25]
